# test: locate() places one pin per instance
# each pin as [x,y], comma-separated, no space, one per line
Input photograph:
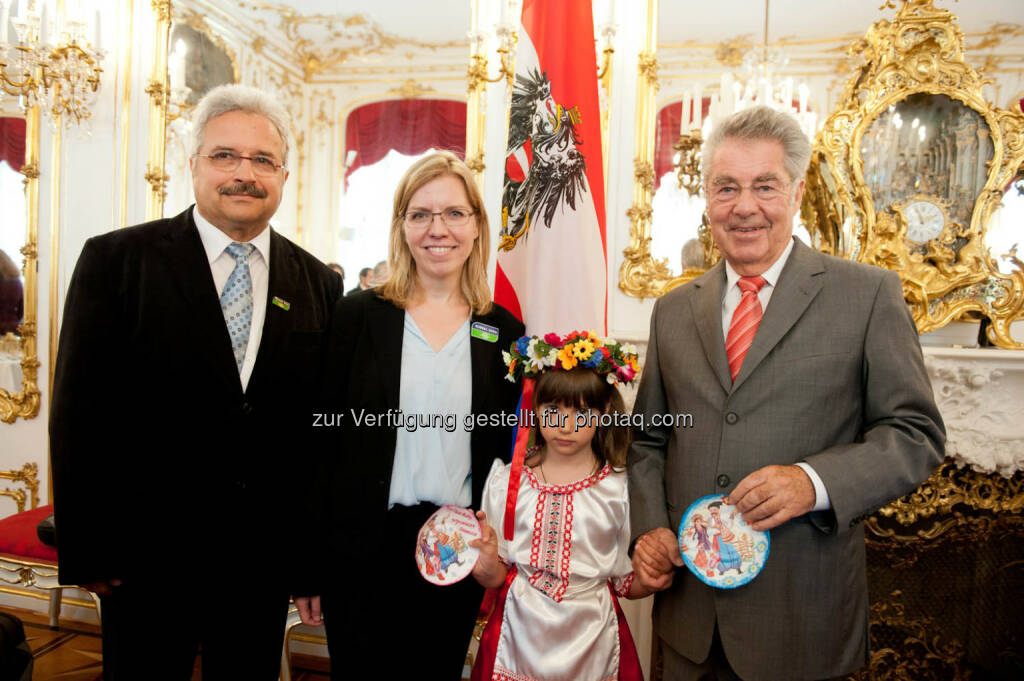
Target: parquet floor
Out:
[74,652]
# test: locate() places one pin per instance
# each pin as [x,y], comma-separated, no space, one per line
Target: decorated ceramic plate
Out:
[718,546]
[443,553]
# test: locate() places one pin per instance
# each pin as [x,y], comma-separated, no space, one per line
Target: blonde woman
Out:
[414,364]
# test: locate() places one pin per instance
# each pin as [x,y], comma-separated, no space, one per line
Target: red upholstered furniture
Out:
[27,561]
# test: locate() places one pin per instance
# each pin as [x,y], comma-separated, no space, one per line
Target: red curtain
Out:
[666,134]
[409,126]
[12,142]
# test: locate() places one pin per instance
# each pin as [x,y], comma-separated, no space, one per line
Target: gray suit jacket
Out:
[834,377]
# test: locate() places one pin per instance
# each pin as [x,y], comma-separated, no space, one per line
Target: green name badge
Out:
[282,303]
[484,332]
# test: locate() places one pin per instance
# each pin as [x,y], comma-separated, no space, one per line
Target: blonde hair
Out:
[473,283]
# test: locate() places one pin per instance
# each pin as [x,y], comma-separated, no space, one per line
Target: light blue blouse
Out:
[432,450]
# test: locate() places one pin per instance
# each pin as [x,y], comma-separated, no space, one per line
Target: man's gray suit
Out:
[835,378]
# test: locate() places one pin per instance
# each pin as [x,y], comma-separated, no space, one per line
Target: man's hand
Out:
[773,495]
[309,610]
[103,588]
[655,557]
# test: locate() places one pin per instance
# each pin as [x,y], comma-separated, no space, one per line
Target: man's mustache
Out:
[247,188]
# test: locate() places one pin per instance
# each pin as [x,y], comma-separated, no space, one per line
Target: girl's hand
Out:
[489,570]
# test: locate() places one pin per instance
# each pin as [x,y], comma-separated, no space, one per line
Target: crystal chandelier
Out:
[758,86]
[50,63]
[761,86]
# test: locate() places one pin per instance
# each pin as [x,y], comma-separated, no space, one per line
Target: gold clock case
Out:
[915,59]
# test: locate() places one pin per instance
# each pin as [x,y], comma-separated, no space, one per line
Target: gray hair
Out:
[762,122]
[227,98]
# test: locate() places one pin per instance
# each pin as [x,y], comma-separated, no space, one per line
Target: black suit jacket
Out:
[364,372]
[157,453]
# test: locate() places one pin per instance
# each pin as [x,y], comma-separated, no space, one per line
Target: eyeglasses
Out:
[452,217]
[768,191]
[228,161]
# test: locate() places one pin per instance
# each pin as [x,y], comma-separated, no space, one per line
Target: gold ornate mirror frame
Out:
[641,275]
[26,403]
[952,276]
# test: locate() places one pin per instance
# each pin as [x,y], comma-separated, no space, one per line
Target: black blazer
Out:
[364,367]
[156,450]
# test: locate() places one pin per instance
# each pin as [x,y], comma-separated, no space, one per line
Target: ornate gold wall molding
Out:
[28,476]
[26,403]
[158,90]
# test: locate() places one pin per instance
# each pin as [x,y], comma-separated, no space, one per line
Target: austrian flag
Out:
[552,253]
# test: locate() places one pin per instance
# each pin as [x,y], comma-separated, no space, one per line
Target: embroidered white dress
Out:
[558,617]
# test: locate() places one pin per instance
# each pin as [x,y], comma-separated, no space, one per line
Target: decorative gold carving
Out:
[919,53]
[410,89]
[729,53]
[162,9]
[648,69]
[949,487]
[955,507]
[158,90]
[28,476]
[922,656]
[320,42]
[26,403]
[688,168]
[476,162]
[199,22]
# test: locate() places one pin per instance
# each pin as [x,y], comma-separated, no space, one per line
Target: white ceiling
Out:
[346,35]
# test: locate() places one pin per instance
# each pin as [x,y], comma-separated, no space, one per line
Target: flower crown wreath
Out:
[530,356]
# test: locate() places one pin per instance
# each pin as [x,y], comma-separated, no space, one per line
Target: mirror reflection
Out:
[944,150]
[12,239]
[195,65]
[1004,233]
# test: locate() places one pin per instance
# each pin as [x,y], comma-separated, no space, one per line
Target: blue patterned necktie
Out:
[236,300]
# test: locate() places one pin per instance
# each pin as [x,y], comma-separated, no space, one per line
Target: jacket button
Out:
[731,418]
[247,408]
[723,480]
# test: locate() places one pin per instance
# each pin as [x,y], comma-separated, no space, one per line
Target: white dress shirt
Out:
[730,301]
[222,264]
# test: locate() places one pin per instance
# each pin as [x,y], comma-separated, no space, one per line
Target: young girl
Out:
[556,616]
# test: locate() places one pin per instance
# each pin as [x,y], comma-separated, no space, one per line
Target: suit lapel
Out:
[798,284]
[481,354]
[386,325]
[190,271]
[707,313]
[277,322]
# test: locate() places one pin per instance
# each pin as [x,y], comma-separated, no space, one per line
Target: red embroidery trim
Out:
[571,487]
[621,585]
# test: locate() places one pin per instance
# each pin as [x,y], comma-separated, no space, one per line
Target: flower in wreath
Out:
[583,349]
[566,360]
[553,339]
[522,344]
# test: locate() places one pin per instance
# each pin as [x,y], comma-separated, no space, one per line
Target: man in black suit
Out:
[180,421]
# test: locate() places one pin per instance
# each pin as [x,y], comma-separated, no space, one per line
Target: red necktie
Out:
[744,323]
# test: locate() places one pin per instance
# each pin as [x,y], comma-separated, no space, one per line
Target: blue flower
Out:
[522,344]
[594,360]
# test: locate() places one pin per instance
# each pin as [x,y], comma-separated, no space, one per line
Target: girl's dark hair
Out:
[584,389]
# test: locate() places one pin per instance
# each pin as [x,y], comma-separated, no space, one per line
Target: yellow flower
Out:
[565,357]
[633,364]
[582,349]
